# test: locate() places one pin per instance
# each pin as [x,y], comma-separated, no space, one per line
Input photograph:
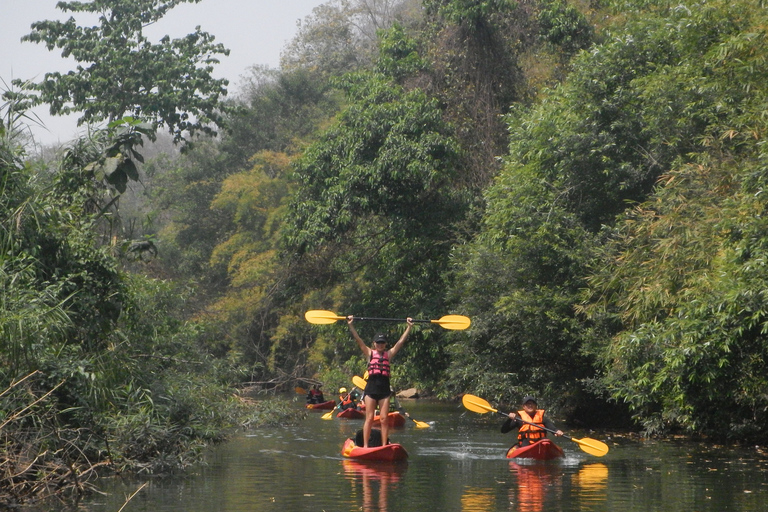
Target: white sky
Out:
[255,31]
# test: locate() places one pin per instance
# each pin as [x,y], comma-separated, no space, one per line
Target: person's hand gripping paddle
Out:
[591,446]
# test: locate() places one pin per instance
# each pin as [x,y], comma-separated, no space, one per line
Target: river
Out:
[458,464]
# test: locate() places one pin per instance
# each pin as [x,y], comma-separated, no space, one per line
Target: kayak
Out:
[351,414]
[325,406]
[388,452]
[540,450]
[394,420]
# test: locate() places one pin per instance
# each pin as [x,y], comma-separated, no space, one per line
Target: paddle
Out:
[300,390]
[329,414]
[360,382]
[453,322]
[591,446]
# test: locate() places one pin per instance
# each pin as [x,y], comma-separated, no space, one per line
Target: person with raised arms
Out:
[377,389]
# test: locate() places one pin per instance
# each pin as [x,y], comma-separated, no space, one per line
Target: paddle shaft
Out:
[518,418]
[376,319]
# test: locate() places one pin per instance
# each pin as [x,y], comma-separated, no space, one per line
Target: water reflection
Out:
[590,484]
[533,482]
[477,500]
[373,481]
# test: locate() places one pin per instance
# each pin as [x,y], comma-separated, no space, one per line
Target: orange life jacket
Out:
[527,431]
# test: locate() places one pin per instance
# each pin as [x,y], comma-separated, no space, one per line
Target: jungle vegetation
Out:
[584,180]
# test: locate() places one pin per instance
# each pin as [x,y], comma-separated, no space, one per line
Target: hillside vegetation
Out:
[583,180]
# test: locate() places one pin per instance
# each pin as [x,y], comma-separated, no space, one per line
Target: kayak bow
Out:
[388,452]
[540,450]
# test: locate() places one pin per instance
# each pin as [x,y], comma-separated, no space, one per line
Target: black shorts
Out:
[378,387]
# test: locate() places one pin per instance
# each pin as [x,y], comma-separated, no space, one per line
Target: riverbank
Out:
[43,460]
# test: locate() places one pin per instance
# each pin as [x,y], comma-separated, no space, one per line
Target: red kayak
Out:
[351,414]
[388,452]
[394,420]
[540,450]
[325,406]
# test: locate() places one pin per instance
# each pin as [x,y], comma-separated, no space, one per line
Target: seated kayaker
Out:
[528,433]
[315,395]
[347,400]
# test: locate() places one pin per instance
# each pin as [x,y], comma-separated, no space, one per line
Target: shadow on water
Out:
[456,465]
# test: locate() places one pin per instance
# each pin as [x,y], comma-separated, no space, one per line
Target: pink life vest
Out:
[379,363]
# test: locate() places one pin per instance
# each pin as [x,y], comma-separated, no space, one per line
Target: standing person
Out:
[377,390]
[526,433]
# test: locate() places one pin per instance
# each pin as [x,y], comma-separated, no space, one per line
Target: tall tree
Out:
[377,205]
[121,73]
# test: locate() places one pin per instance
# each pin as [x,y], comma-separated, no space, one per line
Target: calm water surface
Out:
[456,465]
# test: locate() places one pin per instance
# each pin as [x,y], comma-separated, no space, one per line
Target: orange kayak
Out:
[388,452]
[394,420]
[330,404]
[351,414]
[540,450]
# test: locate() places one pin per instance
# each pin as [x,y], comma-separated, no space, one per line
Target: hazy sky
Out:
[255,31]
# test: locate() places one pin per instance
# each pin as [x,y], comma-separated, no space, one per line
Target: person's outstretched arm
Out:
[360,343]
[394,350]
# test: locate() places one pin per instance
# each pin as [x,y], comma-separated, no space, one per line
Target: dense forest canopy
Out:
[584,180]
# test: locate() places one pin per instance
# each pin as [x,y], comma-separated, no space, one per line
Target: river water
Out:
[458,464]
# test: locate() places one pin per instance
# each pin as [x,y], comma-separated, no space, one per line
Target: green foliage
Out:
[255,201]
[388,152]
[677,295]
[518,281]
[111,369]
[360,205]
[562,25]
[472,14]
[399,54]
[123,73]
[278,111]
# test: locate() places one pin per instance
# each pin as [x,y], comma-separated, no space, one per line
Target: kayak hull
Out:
[351,414]
[394,420]
[540,450]
[325,406]
[388,452]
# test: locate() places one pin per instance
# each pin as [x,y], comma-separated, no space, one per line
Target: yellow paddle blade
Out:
[421,424]
[320,317]
[359,382]
[328,415]
[477,404]
[453,322]
[300,390]
[592,446]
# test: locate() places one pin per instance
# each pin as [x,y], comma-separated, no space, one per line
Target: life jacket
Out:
[530,432]
[379,363]
[347,402]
